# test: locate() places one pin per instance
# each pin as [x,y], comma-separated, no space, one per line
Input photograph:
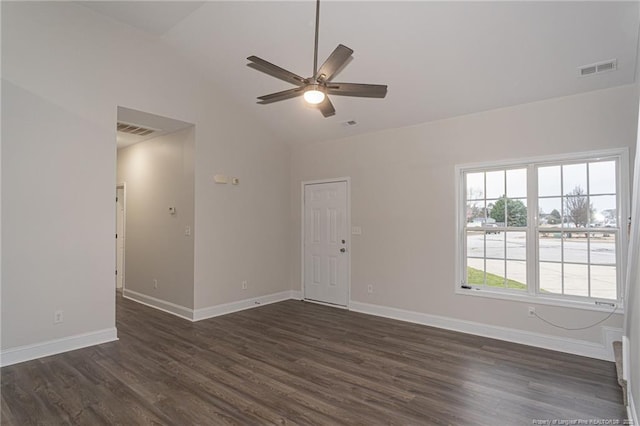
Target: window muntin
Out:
[543,229]
[578,229]
[495,204]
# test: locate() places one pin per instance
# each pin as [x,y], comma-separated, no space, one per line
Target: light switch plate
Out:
[356,230]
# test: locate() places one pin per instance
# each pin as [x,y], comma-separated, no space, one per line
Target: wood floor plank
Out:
[301,363]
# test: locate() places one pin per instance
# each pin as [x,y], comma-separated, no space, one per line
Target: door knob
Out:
[344,241]
[342,250]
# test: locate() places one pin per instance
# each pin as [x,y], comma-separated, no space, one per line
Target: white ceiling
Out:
[439,59]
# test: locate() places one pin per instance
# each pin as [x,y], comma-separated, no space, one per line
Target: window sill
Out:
[541,300]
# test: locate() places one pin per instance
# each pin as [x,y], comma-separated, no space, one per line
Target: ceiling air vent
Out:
[598,68]
[350,123]
[134,129]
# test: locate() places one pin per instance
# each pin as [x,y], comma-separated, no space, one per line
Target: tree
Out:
[577,207]
[516,212]
[554,217]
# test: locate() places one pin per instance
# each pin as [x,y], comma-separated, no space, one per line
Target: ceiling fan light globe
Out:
[314,96]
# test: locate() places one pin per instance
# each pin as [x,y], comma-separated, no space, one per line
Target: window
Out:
[547,228]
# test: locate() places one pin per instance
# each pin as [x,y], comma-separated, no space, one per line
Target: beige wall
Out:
[403,197]
[65,70]
[159,173]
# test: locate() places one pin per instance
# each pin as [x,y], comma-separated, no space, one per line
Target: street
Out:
[577,250]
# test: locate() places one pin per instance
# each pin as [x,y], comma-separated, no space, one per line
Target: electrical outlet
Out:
[244,285]
[531,312]
[58,317]
[369,289]
[155,283]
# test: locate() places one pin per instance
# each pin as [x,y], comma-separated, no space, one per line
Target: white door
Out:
[326,261]
[119,236]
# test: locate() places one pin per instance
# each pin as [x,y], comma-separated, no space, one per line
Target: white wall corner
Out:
[556,343]
[56,346]
[162,305]
[632,414]
[254,302]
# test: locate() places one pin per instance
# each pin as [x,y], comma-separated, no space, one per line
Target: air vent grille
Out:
[350,123]
[134,129]
[598,68]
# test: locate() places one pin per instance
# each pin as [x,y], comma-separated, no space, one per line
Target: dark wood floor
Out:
[301,363]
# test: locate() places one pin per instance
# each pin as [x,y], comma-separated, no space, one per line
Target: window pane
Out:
[576,280]
[495,184]
[475,210]
[549,181]
[603,248]
[516,245]
[517,274]
[575,247]
[550,246]
[475,244]
[517,183]
[603,210]
[550,211]
[602,177]
[603,282]
[495,211]
[550,277]
[495,273]
[576,210]
[475,271]
[495,246]
[574,177]
[516,212]
[475,186]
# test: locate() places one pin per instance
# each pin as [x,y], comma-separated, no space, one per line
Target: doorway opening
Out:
[155,210]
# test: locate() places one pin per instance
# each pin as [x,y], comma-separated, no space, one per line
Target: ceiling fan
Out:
[316,88]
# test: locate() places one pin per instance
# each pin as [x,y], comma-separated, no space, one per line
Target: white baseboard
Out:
[632,414]
[56,346]
[227,308]
[210,311]
[162,305]
[556,343]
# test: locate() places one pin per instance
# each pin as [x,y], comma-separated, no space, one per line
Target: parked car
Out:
[484,223]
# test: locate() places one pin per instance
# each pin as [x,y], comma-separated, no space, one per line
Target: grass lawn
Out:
[476,276]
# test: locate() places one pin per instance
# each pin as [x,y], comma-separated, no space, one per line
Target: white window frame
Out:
[532,293]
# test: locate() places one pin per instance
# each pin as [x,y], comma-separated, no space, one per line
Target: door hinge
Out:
[116,272]
[116,236]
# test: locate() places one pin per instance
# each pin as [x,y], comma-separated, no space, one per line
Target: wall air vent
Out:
[598,68]
[134,129]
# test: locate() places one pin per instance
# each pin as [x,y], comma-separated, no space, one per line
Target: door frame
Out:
[303,184]
[122,185]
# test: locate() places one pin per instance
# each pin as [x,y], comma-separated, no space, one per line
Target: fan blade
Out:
[281,96]
[355,89]
[334,62]
[275,71]
[326,107]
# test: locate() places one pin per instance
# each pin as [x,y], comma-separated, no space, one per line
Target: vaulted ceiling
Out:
[439,59]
